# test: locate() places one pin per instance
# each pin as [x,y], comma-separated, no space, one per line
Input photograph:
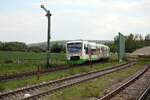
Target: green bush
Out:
[8,61]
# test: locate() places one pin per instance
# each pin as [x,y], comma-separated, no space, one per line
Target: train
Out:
[82,51]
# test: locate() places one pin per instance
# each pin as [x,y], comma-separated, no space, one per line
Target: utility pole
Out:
[48,14]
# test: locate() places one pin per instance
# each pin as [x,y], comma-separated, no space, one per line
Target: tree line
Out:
[13,46]
[20,46]
[132,42]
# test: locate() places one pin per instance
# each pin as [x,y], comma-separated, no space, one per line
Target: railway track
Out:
[145,95]
[122,87]
[28,74]
[50,87]
[33,73]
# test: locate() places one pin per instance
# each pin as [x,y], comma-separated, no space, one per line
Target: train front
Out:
[74,50]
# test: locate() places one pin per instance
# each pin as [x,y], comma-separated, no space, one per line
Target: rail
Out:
[144,94]
[123,86]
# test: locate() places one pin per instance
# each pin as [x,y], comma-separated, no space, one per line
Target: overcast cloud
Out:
[73,19]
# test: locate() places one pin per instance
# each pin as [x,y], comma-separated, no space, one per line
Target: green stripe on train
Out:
[81,61]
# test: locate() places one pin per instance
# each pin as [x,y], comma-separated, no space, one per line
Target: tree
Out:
[35,49]
[1,45]
[132,42]
[112,46]
[140,42]
[147,40]
[116,40]
[57,48]
[14,46]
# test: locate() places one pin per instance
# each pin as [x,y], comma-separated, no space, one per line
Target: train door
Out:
[98,52]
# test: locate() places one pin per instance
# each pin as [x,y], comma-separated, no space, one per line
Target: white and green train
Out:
[81,51]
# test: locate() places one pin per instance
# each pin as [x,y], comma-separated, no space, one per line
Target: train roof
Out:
[72,41]
[103,45]
[91,43]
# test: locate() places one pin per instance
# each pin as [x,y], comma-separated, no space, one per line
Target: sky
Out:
[25,21]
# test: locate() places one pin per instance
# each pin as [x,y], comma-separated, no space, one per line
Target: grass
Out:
[52,76]
[16,62]
[12,62]
[145,59]
[96,87]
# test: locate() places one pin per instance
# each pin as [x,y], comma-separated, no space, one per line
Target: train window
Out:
[93,51]
[74,47]
[86,49]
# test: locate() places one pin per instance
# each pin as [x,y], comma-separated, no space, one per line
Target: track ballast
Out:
[116,93]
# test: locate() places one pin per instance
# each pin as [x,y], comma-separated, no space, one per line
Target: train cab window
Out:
[74,47]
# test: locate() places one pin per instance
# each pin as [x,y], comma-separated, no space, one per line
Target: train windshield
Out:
[74,47]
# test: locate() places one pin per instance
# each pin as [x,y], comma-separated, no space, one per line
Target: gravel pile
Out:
[142,51]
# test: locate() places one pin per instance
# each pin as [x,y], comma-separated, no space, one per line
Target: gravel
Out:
[142,51]
[134,90]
